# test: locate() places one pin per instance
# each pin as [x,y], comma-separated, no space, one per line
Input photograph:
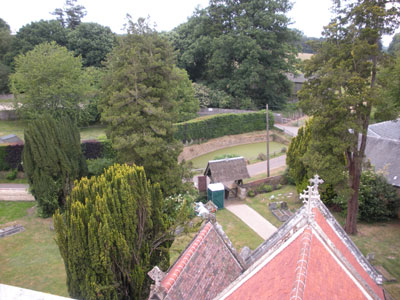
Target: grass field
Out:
[248,151]
[31,259]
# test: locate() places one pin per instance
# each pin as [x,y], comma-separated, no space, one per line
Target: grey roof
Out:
[9,139]
[384,155]
[388,130]
[225,170]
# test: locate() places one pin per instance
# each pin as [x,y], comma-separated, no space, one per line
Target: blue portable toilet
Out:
[216,193]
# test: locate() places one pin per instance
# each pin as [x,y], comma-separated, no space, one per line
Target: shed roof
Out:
[10,139]
[228,169]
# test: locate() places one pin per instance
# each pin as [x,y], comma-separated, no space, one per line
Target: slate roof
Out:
[226,170]
[205,268]
[383,149]
[309,257]
[10,139]
[386,130]
[384,155]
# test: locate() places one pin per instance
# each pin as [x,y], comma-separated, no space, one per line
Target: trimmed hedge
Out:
[11,155]
[221,125]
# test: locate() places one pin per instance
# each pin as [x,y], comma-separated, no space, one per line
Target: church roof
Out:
[309,257]
[205,268]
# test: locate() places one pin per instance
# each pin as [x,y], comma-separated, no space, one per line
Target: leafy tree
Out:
[115,228]
[139,107]
[394,46]
[92,41]
[342,90]
[49,79]
[71,15]
[186,104]
[37,33]
[52,160]
[240,47]
[6,40]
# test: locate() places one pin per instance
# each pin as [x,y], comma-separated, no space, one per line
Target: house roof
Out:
[310,257]
[384,156]
[205,268]
[386,130]
[226,170]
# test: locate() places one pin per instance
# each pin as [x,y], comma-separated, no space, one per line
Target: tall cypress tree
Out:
[114,229]
[52,160]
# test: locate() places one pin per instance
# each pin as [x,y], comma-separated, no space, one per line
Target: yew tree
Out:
[342,89]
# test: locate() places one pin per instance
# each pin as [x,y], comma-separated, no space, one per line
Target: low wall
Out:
[192,151]
[205,111]
[275,180]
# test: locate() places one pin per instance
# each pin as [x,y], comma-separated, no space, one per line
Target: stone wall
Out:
[275,180]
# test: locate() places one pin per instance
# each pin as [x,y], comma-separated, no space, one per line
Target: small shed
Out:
[11,139]
[216,194]
[227,170]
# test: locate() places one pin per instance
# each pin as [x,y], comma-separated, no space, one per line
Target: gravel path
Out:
[15,192]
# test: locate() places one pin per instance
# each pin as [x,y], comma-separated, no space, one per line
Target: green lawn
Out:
[12,210]
[249,151]
[260,202]
[31,259]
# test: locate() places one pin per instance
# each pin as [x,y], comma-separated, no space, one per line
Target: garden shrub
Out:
[12,174]
[3,164]
[251,193]
[267,188]
[96,166]
[378,200]
[278,186]
[262,156]
[221,125]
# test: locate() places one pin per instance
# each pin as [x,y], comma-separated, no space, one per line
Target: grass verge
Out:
[12,210]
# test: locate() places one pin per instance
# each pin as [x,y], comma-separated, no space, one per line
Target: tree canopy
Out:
[52,160]
[342,90]
[49,79]
[241,47]
[92,41]
[138,104]
[70,15]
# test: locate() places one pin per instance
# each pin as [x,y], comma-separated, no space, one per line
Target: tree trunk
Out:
[352,204]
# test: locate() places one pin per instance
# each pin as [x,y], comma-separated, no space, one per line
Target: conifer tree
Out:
[52,160]
[115,228]
[139,105]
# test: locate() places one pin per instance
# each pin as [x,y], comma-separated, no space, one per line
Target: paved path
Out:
[252,218]
[290,130]
[15,192]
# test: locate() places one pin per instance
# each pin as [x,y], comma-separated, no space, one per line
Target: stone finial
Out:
[157,275]
[310,196]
